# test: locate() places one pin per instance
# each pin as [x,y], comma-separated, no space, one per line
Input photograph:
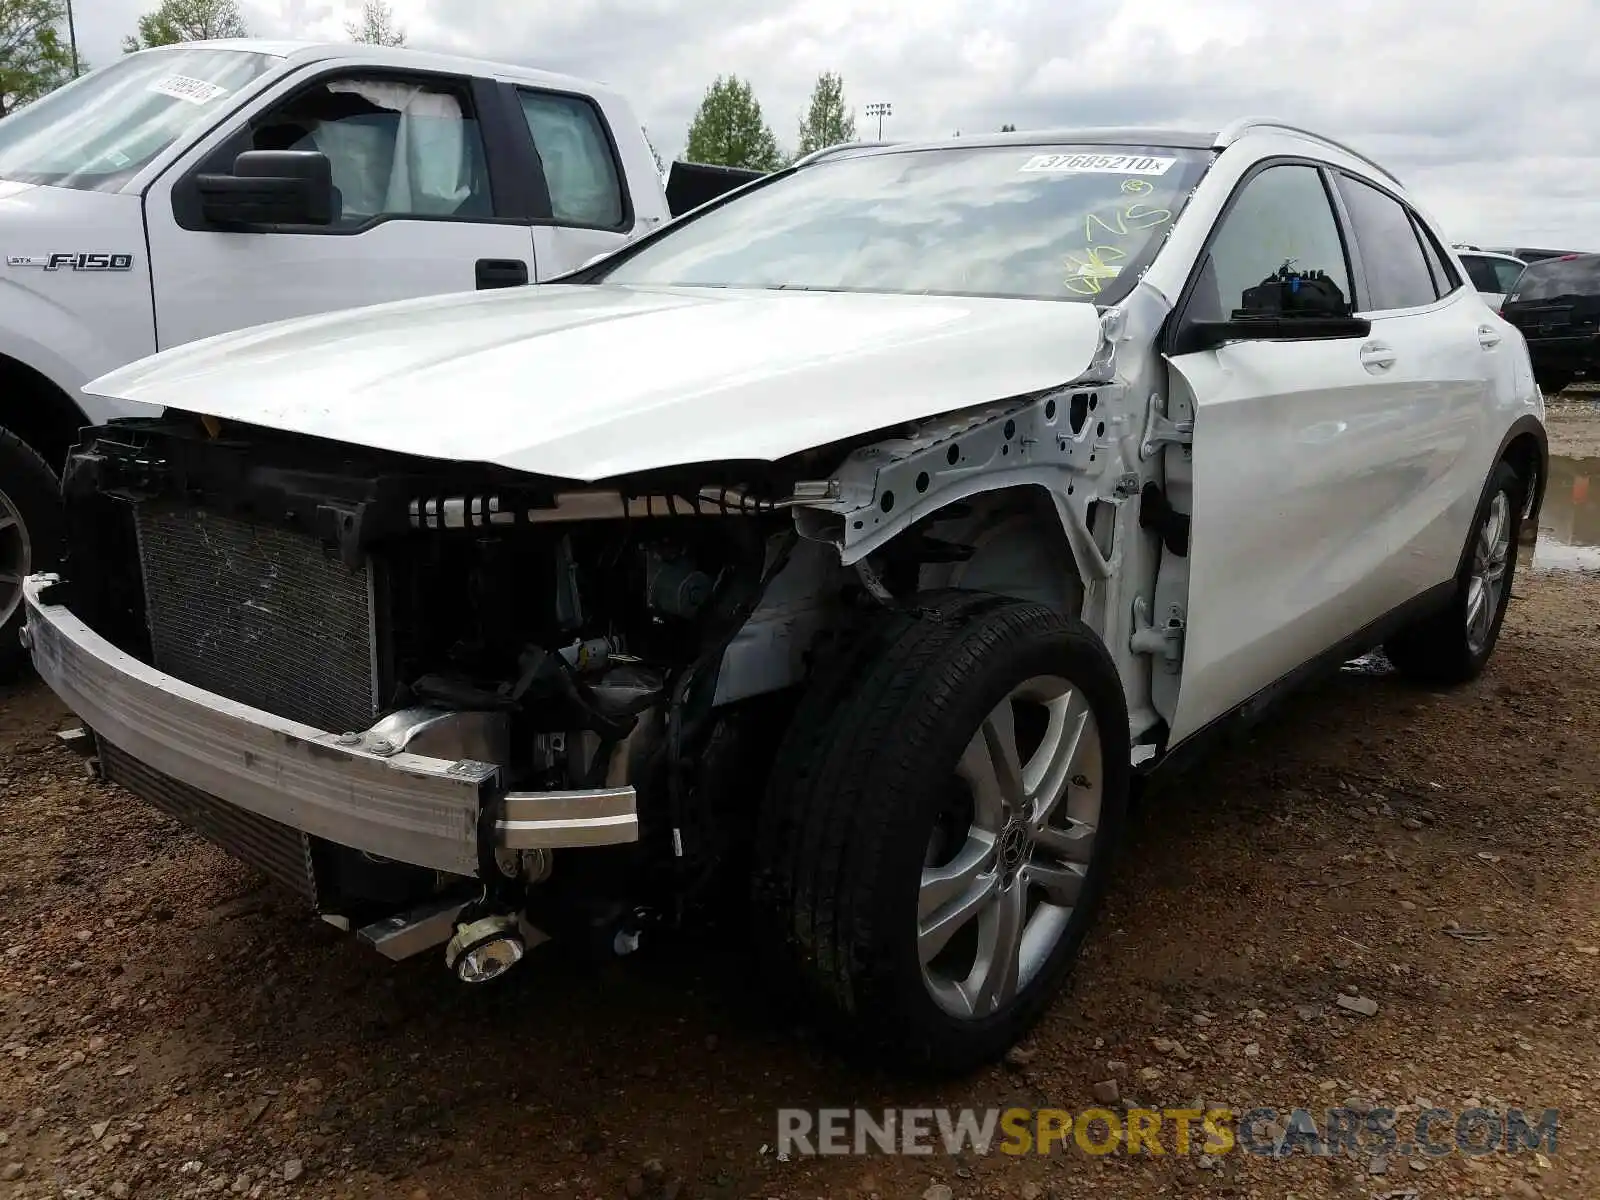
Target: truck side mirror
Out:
[271,187]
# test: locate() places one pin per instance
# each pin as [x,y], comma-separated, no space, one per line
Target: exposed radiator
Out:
[278,852]
[261,615]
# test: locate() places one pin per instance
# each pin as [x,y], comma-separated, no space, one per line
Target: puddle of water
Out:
[1569,523]
[1569,537]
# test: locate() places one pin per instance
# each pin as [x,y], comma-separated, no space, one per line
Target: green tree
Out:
[827,121]
[728,129]
[34,56]
[1008,128]
[187,21]
[376,26]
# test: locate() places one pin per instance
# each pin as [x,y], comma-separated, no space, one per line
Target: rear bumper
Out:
[1580,354]
[428,812]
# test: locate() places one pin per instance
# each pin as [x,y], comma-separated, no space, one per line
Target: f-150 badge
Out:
[82,260]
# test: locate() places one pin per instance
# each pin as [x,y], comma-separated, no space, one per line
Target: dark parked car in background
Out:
[1556,304]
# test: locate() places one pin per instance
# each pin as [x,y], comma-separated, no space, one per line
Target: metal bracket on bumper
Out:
[407,807]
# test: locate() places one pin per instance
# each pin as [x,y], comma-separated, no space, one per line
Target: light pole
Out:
[72,37]
[880,111]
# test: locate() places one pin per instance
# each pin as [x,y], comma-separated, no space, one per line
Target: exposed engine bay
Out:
[567,643]
[570,641]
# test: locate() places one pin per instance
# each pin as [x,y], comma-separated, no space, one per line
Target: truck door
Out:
[428,202]
[590,210]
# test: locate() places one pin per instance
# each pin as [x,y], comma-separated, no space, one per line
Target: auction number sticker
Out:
[1104,164]
[182,87]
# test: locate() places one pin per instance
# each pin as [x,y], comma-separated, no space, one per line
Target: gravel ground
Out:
[169,1026]
[1573,421]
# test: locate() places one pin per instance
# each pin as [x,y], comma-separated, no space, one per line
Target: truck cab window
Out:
[579,167]
[397,147]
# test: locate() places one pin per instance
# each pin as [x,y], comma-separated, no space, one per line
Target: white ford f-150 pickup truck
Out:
[205,187]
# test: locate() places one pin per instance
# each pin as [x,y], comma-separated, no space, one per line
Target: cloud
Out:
[1481,109]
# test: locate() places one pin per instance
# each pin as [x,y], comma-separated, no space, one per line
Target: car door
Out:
[423,164]
[1444,351]
[1293,459]
[588,209]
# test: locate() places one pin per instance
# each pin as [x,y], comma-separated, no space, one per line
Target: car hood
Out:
[587,382]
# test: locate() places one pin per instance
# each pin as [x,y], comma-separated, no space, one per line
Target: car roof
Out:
[399,57]
[1099,135]
[1118,135]
[1464,251]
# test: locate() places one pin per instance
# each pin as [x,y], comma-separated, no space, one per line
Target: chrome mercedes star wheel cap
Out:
[1003,875]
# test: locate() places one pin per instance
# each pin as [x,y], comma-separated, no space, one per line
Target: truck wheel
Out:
[30,537]
[1453,645]
[937,834]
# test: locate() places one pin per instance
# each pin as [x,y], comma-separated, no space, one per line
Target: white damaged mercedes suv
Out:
[834,558]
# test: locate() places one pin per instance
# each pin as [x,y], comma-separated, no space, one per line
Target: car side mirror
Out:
[271,187]
[1208,335]
[1287,306]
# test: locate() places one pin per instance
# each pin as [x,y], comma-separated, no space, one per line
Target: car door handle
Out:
[1375,357]
[1488,338]
[501,273]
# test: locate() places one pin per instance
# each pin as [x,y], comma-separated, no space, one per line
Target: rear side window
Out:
[1397,270]
[579,168]
[1556,277]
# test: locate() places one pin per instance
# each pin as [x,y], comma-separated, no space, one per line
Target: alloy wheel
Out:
[1005,867]
[1490,554]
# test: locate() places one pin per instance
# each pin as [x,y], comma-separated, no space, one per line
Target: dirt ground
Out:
[1573,422]
[169,1026]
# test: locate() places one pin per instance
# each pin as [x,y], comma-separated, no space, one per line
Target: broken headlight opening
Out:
[563,639]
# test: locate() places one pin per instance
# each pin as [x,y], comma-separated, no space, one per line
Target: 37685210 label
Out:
[1105,164]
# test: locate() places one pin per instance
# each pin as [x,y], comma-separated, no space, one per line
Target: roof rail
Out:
[1238,129]
[804,159]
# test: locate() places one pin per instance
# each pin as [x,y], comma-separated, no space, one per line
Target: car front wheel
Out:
[940,826]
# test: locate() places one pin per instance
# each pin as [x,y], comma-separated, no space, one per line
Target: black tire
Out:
[30,492]
[861,784]
[1438,649]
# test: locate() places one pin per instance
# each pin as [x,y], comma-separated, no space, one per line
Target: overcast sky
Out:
[1486,110]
